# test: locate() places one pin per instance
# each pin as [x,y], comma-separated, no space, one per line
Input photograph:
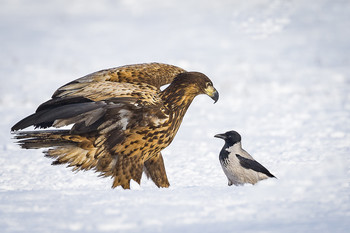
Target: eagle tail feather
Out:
[77,151]
[42,139]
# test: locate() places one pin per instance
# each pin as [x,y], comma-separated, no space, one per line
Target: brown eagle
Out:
[121,120]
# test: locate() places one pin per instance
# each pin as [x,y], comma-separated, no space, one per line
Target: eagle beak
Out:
[222,136]
[212,93]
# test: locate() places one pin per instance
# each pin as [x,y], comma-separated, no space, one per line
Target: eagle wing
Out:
[122,81]
[111,110]
[137,84]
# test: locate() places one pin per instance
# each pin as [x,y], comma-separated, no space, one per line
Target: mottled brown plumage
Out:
[121,120]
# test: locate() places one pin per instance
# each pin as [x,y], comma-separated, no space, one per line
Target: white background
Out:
[282,70]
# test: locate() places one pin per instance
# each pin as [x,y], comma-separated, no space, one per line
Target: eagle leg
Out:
[154,169]
[125,183]
[127,168]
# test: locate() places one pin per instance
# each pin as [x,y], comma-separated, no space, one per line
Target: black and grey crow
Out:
[238,165]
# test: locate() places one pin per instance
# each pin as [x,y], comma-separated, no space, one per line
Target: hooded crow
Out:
[238,165]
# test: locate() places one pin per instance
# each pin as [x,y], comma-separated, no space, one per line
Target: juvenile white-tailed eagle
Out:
[121,120]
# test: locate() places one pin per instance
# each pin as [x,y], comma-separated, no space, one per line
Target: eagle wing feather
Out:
[121,81]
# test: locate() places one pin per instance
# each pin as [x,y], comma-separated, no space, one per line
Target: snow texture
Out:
[283,72]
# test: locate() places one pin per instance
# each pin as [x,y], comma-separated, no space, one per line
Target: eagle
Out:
[117,120]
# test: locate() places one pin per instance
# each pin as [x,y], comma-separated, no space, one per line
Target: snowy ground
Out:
[283,72]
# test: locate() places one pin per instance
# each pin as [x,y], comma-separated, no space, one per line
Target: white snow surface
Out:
[283,72]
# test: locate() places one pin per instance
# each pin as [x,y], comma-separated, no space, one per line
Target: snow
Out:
[282,70]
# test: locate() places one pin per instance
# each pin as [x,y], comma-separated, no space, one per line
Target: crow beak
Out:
[212,93]
[222,136]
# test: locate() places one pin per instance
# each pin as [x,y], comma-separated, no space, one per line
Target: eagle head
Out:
[197,83]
